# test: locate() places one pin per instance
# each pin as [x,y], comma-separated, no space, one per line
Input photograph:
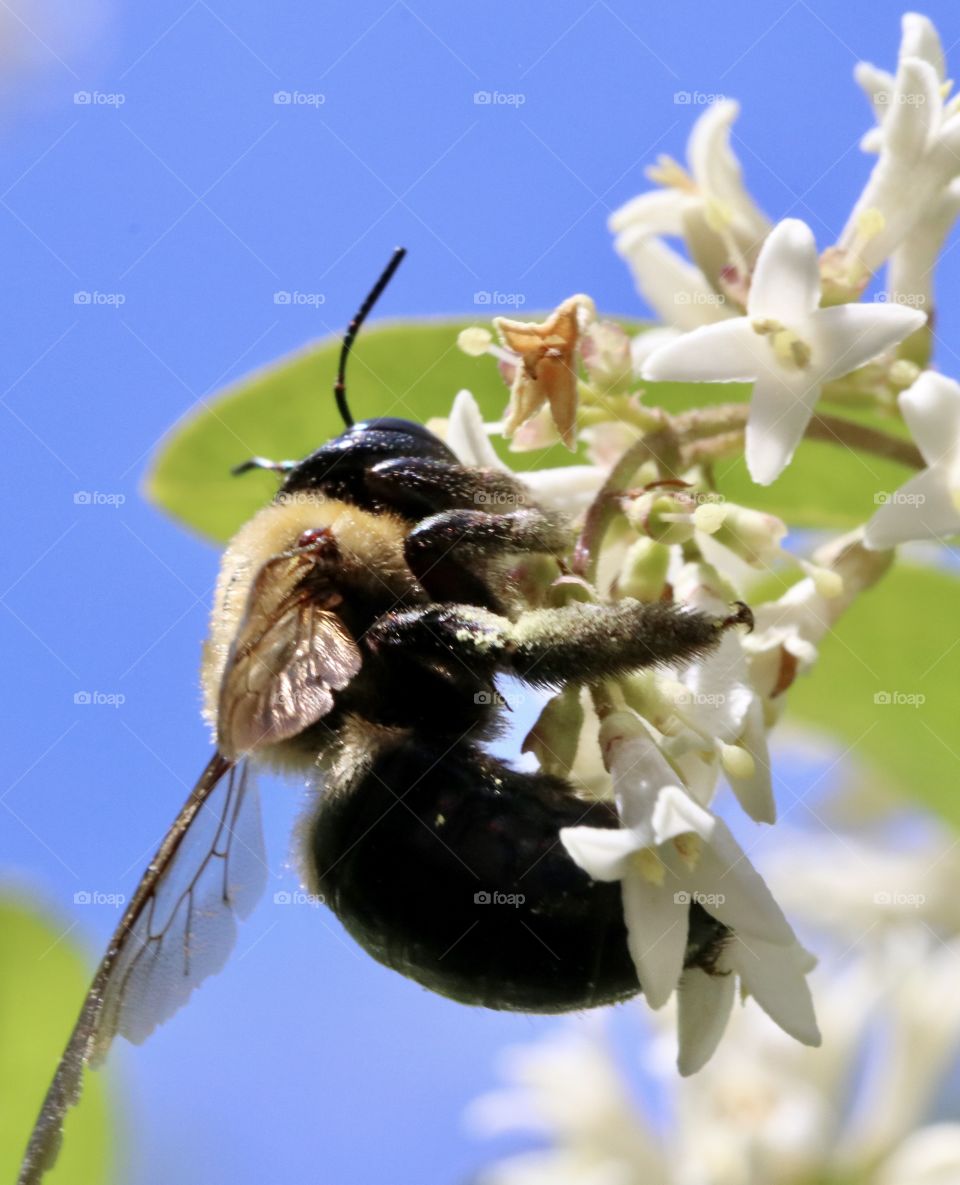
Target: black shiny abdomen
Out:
[449,869]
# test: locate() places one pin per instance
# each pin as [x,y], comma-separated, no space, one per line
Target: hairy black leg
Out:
[262,463]
[418,486]
[578,643]
[450,552]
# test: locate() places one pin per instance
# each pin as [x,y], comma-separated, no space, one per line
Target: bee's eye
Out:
[316,537]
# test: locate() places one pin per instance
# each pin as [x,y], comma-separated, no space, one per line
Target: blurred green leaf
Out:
[414,370]
[42,984]
[886,686]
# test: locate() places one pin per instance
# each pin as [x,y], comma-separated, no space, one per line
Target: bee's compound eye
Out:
[317,539]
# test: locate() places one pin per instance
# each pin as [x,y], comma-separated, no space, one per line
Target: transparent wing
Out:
[178,929]
[290,654]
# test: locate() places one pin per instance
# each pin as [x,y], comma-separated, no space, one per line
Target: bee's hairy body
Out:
[359,624]
[441,860]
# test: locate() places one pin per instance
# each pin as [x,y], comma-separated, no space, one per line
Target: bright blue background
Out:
[196,200]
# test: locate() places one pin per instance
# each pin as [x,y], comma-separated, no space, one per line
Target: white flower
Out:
[568,488]
[670,853]
[928,505]
[921,40]
[568,1087]
[709,205]
[786,345]
[918,141]
[787,631]
[911,267]
[930,1156]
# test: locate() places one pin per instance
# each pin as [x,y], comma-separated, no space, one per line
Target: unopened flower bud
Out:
[554,738]
[662,517]
[751,534]
[644,572]
[474,341]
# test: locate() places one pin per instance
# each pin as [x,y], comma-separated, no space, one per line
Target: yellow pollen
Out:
[737,762]
[718,216]
[671,175]
[870,222]
[689,846]
[649,865]
[791,351]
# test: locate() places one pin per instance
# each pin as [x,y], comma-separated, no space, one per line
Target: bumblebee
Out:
[360,623]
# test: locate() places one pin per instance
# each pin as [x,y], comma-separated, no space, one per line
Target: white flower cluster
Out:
[766,1112]
[755,303]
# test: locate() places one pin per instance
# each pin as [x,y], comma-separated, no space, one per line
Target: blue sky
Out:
[182,196]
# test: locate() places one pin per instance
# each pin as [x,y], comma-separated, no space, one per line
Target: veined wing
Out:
[290,654]
[178,929]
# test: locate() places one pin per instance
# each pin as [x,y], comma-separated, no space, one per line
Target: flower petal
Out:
[921,509]
[602,852]
[467,435]
[780,410]
[717,171]
[776,977]
[677,291]
[931,408]
[654,212]
[848,335]
[704,1003]
[676,813]
[786,280]
[920,39]
[657,925]
[755,793]
[928,1156]
[738,894]
[721,353]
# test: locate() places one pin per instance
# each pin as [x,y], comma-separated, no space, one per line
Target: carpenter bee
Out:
[360,622]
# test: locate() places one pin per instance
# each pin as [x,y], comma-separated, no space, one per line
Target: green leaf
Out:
[825,486]
[414,370]
[886,686]
[42,985]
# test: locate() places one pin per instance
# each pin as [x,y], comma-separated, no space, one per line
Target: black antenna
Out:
[340,387]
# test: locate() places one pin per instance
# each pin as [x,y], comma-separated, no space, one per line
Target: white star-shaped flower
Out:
[928,505]
[918,145]
[786,345]
[709,206]
[669,854]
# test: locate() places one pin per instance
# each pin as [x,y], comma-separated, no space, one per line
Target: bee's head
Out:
[339,468]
